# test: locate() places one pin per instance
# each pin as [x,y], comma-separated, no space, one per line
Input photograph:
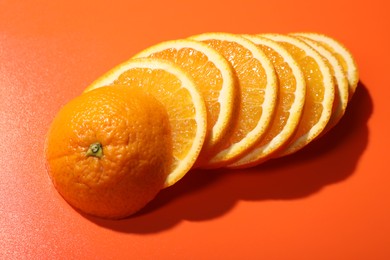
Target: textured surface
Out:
[93,151]
[329,201]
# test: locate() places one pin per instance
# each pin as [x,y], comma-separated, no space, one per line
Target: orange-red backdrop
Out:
[329,201]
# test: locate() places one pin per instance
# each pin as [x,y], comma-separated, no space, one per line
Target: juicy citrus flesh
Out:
[291,98]
[340,81]
[109,151]
[319,92]
[342,54]
[181,98]
[213,76]
[257,89]
[117,182]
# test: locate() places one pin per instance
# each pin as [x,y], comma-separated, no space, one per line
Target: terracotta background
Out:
[329,201]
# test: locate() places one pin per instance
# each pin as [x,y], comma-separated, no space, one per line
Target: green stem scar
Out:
[96,150]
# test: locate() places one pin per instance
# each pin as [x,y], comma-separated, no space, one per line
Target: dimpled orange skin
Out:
[133,130]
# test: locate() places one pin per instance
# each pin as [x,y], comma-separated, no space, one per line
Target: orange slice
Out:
[180,96]
[212,74]
[257,85]
[320,91]
[340,80]
[342,54]
[289,106]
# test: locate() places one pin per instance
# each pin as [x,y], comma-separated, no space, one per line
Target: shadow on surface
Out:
[203,194]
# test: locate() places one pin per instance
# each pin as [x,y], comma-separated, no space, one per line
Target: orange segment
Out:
[181,98]
[289,104]
[340,80]
[342,54]
[320,91]
[257,94]
[212,74]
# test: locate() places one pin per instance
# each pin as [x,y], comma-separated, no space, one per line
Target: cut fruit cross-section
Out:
[342,54]
[213,76]
[340,80]
[320,91]
[257,95]
[289,105]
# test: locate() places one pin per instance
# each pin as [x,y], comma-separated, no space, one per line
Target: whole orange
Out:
[109,150]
